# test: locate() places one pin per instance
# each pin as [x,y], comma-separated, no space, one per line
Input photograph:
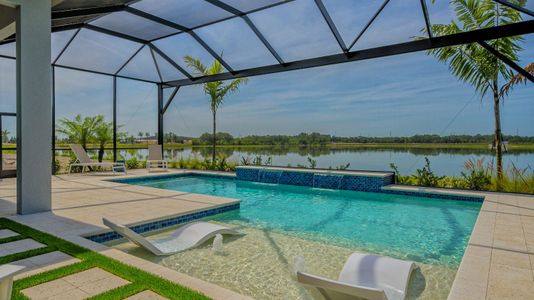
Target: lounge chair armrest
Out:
[9,270]
[326,284]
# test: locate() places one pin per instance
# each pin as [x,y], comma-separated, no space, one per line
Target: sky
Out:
[399,95]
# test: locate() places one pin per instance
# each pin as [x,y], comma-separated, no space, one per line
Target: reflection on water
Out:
[444,161]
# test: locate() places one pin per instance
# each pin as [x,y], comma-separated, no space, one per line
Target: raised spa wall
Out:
[328,179]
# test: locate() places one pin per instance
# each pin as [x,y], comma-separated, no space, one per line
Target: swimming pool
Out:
[329,223]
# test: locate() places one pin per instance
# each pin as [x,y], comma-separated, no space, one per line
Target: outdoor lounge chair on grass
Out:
[83,160]
[184,238]
[364,276]
[155,158]
[6,279]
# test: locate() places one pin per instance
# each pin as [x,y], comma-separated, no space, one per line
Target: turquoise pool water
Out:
[426,230]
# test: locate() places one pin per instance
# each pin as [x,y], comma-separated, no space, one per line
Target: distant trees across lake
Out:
[307,139]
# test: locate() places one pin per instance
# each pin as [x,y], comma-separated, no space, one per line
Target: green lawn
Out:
[140,280]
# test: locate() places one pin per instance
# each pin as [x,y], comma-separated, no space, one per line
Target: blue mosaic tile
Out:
[318,180]
[112,235]
[296,178]
[269,176]
[327,181]
[247,174]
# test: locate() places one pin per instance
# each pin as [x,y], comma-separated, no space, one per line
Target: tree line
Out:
[314,138]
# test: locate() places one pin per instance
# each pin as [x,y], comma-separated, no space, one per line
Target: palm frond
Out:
[517,79]
[196,64]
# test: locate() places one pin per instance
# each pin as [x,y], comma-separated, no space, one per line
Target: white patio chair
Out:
[364,276]
[83,160]
[155,158]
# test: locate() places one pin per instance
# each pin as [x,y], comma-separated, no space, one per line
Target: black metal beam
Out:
[506,60]
[236,12]
[211,51]
[115,33]
[331,25]
[171,98]
[80,12]
[368,23]
[160,114]
[520,28]
[427,19]
[53,120]
[226,7]
[262,38]
[102,73]
[516,7]
[181,28]
[169,60]
[54,29]
[129,59]
[66,46]
[114,118]
[156,64]
[155,18]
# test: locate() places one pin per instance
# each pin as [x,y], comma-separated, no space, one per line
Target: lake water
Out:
[443,161]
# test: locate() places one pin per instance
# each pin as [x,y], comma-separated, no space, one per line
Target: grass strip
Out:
[12,239]
[140,280]
[26,254]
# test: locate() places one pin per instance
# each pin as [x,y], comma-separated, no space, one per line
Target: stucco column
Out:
[34,105]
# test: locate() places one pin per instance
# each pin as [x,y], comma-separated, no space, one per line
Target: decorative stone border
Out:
[469,198]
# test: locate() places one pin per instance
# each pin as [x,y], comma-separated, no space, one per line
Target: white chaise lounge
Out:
[6,279]
[83,160]
[155,158]
[364,276]
[186,237]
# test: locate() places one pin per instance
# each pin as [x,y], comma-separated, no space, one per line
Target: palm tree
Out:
[217,90]
[103,135]
[5,136]
[80,130]
[475,65]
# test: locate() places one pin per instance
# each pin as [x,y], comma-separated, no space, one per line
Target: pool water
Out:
[282,222]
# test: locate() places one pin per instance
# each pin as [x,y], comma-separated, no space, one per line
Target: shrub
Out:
[312,163]
[477,177]
[133,163]
[426,176]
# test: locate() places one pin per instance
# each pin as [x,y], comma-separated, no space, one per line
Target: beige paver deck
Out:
[77,286]
[19,246]
[44,262]
[6,233]
[80,202]
[146,295]
[499,259]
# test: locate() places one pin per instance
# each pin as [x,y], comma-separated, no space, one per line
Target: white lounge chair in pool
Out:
[184,238]
[364,276]
[6,279]
[83,160]
[155,158]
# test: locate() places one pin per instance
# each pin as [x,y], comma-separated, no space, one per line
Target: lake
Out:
[443,161]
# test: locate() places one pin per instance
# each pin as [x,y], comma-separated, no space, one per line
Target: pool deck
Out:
[498,262]
[80,202]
